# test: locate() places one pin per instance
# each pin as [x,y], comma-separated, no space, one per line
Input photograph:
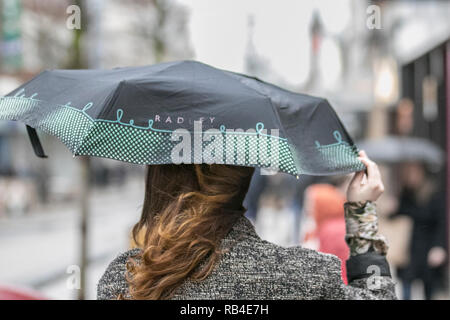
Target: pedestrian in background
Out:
[428,250]
[324,204]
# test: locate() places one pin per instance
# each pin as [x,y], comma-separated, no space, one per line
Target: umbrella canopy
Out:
[397,149]
[183,112]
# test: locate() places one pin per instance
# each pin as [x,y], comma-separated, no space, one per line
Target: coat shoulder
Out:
[322,263]
[113,281]
[278,272]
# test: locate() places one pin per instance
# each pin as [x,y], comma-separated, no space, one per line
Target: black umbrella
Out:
[398,149]
[183,111]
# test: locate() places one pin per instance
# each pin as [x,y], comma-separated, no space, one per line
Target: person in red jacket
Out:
[325,206]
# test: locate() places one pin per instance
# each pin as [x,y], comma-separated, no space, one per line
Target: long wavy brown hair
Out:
[187,210]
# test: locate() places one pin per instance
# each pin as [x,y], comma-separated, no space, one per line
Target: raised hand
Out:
[365,186]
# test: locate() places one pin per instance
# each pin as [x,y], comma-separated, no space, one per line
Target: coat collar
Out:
[242,230]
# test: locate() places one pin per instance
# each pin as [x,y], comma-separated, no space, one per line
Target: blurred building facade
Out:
[35,36]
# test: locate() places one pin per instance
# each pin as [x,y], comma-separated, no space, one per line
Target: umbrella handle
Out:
[35,142]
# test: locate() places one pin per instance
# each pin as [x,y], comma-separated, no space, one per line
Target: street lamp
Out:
[385,93]
[386,87]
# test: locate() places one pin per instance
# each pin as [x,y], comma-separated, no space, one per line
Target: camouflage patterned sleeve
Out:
[362,229]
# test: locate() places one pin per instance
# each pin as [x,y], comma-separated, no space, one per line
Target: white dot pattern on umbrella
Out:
[83,136]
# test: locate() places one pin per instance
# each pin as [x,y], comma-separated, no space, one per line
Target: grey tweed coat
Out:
[253,268]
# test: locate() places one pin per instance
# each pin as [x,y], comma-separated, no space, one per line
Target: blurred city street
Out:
[37,250]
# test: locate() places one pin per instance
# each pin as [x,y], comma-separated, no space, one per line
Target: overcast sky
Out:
[219,32]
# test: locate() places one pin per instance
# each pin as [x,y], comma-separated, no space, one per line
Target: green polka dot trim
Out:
[103,138]
[340,155]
